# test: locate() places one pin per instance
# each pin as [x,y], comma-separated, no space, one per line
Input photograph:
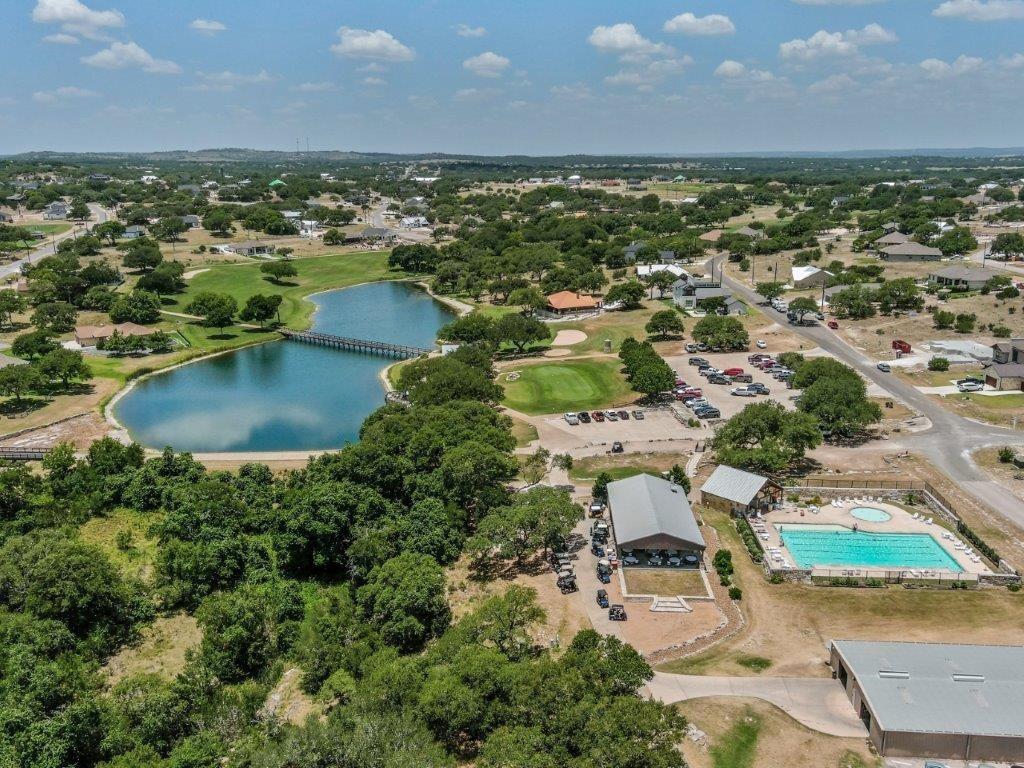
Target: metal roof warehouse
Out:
[962,702]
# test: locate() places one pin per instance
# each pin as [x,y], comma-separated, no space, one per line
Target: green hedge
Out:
[977,541]
[750,540]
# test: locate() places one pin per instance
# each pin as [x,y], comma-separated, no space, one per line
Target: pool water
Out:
[871,514]
[834,545]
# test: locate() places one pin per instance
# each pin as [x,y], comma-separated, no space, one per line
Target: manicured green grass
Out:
[315,274]
[50,229]
[755,663]
[567,386]
[584,471]
[993,402]
[738,747]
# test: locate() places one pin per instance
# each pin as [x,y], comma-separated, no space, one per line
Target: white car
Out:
[761,344]
[970,386]
[696,402]
[743,392]
[572,419]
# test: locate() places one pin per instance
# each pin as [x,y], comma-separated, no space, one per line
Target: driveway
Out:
[951,439]
[819,704]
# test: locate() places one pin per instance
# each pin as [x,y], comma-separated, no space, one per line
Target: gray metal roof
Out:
[644,505]
[963,273]
[940,688]
[912,248]
[733,484]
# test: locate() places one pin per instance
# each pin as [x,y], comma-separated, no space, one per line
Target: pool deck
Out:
[901,522]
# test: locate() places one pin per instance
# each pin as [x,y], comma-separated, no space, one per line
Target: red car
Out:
[833,324]
[597,416]
[732,371]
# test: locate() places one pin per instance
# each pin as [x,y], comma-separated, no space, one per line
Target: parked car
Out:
[584,417]
[743,392]
[708,413]
[691,348]
[971,386]
[702,347]
[602,598]
[742,378]
[597,416]
[624,415]
[697,402]
[611,416]
[617,447]
[596,508]
[884,367]
[732,371]
[695,391]
[833,325]
[572,419]
[718,378]
[638,415]
[761,344]
[617,613]
[698,361]
[756,356]
[709,371]
[759,388]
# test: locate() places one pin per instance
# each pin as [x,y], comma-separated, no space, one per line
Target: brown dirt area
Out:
[79,430]
[161,650]
[782,742]
[791,624]
[287,702]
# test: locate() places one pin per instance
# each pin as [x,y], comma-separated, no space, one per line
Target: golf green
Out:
[558,387]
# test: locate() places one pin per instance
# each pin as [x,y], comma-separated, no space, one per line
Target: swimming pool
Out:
[871,514]
[835,545]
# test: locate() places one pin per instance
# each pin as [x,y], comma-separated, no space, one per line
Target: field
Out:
[555,387]
[662,581]
[744,733]
[816,615]
[999,409]
[625,465]
[124,538]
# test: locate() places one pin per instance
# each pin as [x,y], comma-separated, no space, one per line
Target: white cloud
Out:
[624,40]
[833,84]
[823,43]
[464,30]
[64,92]
[487,64]
[227,77]
[937,69]
[125,55]
[475,94]
[364,44]
[314,87]
[837,2]
[61,38]
[1012,62]
[736,70]
[981,10]
[690,24]
[76,17]
[576,91]
[206,27]
[374,82]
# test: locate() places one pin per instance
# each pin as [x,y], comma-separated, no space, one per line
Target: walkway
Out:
[819,704]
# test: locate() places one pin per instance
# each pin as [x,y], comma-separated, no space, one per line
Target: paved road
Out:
[950,440]
[99,215]
[817,703]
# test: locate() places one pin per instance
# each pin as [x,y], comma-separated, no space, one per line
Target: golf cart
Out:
[617,612]
[602,598]
[604,570]
[567,583]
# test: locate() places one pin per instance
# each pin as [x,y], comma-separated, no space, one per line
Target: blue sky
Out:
[512,76]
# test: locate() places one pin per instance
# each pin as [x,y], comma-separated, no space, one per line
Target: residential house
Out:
[192,221]
[756,234]
[1007,369]
[133,232]
[91,335]
[895,237]
[651,513]
[961,278]
[568,302]
[689,291]
[6,218]
[645,270]
[251,248]
[840,200]
[99,178]
[809,276]
[910,251]
[413,222]
[56,210]
[738,492]
[190,189]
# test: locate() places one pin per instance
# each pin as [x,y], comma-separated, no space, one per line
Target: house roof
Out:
[940,688]
[971,274]
[105,331]
[1007,370]
[910,248]
[7,360]
[570,300]
[647,269]
[734,484]
[893,238]
[802,273]
[712,236]
[248,244]
[644,505]
[749,232]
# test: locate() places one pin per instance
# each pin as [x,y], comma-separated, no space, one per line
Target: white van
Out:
[572,419]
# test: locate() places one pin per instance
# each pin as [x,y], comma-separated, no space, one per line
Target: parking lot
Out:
[718,394]
[657,425]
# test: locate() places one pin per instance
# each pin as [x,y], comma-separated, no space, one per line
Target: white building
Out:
[413,222]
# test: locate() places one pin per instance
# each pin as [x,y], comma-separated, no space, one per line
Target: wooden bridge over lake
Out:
[355,345]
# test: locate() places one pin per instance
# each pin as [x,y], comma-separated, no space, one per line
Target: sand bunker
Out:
[192,273]
[568,338]
[557,353]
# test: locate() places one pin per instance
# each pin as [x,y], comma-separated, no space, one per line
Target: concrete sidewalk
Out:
[819,704]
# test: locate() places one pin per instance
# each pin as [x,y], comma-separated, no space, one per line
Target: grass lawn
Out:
[556,387]
[614,326]
[315,274]
[136,559]
[739,746]
[664,581]
[524,432]
[621,466]
[998,409]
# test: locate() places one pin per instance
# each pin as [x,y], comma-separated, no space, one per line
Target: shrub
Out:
[776,579]
[1014,587]
[735,593]
[750,540]
[977,541]
[1006,454]
[1001,331]
[938,364]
